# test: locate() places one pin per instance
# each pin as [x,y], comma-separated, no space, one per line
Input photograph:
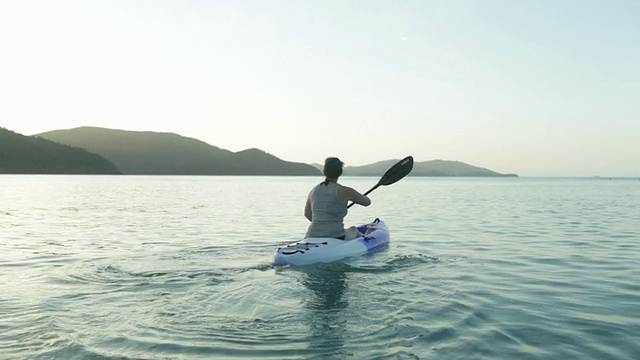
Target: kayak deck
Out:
[323,250]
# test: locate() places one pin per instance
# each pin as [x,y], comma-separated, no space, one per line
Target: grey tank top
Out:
[328,212]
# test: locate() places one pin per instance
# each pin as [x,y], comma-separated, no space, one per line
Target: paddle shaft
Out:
[365,194]
[370,190]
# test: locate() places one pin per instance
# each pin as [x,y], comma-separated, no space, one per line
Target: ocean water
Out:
[134,267]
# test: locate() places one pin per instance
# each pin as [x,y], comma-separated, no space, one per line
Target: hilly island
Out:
[92,150]
[21,154]
[156,153]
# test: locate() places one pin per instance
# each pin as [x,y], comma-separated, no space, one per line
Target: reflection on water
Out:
[326,312]
[328,284]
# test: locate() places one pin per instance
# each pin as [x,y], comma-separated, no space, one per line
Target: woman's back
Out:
[328,211]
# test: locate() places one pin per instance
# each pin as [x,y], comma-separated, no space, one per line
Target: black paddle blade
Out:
[397,171]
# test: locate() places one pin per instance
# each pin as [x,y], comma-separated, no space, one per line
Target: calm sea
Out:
[127,267]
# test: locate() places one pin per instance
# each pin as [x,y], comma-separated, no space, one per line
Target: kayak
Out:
[322,250]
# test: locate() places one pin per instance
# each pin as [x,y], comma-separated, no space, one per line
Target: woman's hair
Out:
[332,167]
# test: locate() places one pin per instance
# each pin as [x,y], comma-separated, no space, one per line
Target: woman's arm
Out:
[307,209]
[350,194]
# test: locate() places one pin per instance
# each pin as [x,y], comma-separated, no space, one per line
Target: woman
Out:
[326,204]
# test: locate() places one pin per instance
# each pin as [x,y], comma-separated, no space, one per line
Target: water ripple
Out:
[181,268]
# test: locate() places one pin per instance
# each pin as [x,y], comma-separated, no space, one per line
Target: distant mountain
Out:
[157,153]
[424,168]
[20,154]
[262,162]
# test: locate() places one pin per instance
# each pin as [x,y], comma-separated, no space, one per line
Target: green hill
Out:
[424,168]
[262,162]
[21,154]
[156,153]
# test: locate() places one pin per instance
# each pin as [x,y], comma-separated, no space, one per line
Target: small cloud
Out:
[404,38]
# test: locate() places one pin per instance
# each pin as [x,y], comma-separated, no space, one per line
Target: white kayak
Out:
[323,250]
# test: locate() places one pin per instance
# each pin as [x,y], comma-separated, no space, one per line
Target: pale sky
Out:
[536,88]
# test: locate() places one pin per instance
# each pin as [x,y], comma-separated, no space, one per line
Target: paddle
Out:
[395,173]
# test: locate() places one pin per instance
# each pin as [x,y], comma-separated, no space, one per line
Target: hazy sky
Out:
[537,88]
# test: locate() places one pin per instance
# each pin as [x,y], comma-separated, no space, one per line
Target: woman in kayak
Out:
[326,205]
